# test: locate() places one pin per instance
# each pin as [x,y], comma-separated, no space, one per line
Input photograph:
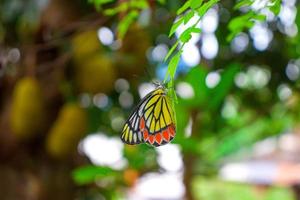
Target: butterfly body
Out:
[152,121]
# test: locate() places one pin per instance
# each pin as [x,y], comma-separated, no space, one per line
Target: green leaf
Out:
[232,35]
[259,17]
[196,4]
[141,4]
[182,117]
[120,8]
[195,30]
[173,64]
[175,26]
[183,8]
[172,94]
[125,23]
[90,173]
[222,89]
[99,3]
[243,137]
[237,24]
[188,16]
[243,3]
[161,1]
[275,8]
[196,78]
[247,24]
[185,36]
[206,6]
[171,50]
[103,1]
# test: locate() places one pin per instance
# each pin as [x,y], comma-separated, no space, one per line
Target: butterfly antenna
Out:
[153,80]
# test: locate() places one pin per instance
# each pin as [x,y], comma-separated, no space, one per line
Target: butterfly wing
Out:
[132,133]
[152,121]
[157,124]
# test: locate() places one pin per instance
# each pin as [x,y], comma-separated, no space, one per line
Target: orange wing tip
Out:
[151,139]
[166,135]
[171,130]
[158,138]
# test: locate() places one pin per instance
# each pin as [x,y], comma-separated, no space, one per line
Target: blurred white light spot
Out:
[265,147]
[159,52]
[289,142]
[269,15]
[259,4]
[100,100]
[85,100]
[292,71]
[145,88]
[229,109]
[169,158]
[159,186]
[240,43]
[102,150]
[210,21]
[234,172]
[126,99]
[257,172]
[297,62]
[210,47]
[144,17]
[287,15]
[291,30]
[289,2]
[117,123]
[259,77]
[191,55]
[185,90]
[121,85]
[116,44]
[188,128]
[14,55]
[105,35]
[284,92]
[241,80]
[261,36]
[212,79]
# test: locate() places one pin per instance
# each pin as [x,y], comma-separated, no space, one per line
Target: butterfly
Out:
[152,121]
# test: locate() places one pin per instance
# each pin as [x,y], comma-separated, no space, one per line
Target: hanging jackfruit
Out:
[27,109]
[69,127]
[85,44]
[96,74]
[132,59]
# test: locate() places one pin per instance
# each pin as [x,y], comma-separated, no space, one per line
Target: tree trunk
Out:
[189,159]
[296,191]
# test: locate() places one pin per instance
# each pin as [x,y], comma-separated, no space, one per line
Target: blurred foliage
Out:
[88,174]
[128,9]
[211,189]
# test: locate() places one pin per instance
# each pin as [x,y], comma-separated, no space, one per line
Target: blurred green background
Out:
[72,71]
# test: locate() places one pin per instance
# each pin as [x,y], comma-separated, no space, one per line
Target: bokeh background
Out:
[68,83]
